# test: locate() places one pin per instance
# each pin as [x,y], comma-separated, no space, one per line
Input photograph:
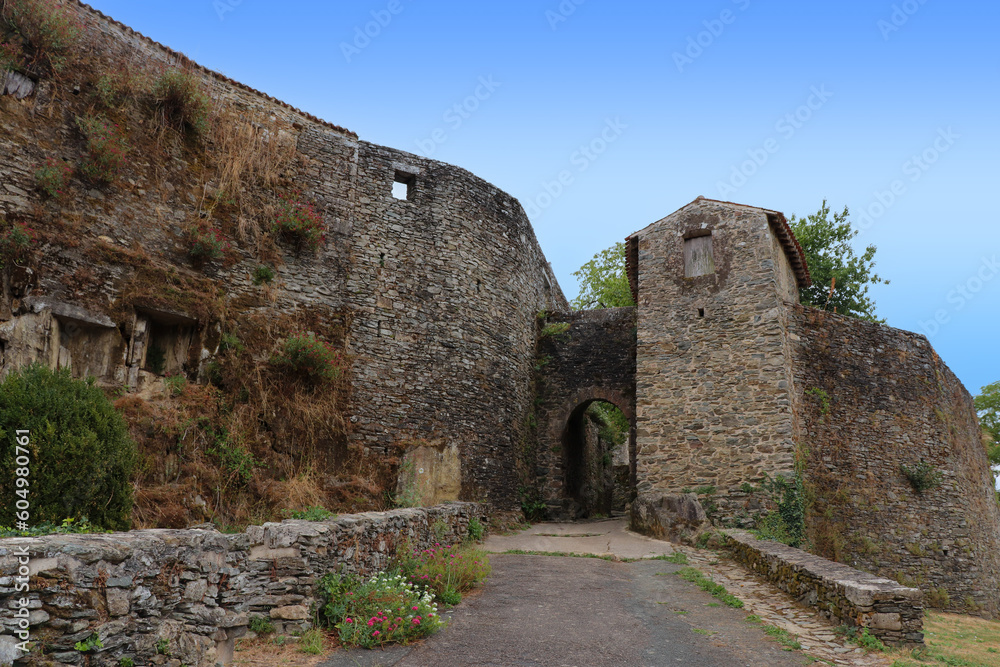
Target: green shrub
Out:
[300,223]
[261,625]
[51,178]
[447,572]
[15,242]
[314,513]
[263,275]
[205,243]
[787,523]
[923,476]
[51,30]
[81,457]
[106,152]
[310,358]
[382,610]
[182,101]
[476,530]
[65,527]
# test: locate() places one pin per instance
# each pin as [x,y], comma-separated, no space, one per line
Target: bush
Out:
[81,457]
[300,223]
[308,357]
[181,99]
[263,275]
[52,30]
[51,178]
[205,243]
[382,610]
[476,530]
[923,476]
[107,149]
[447,572]
[15,242]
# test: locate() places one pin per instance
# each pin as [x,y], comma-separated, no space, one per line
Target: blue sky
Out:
[889,108]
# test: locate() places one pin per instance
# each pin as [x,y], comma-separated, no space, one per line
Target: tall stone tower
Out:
[713,376]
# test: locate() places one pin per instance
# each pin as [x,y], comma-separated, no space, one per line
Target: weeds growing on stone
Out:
[15,242]
[106,152]
[181,100]
[300,223]
[308,357]
[782,636]
[704,583]
[52,177]
[50,30]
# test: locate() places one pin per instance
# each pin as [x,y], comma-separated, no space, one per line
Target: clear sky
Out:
[889,108]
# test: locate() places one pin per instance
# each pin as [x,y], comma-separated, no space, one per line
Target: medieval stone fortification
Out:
[725,378]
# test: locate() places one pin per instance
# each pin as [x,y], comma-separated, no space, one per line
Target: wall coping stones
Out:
[892,612]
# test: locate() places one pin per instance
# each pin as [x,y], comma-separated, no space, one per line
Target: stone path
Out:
[609,537]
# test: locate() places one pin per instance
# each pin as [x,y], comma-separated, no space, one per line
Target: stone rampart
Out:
[873,403]
[890,611]
[193,591]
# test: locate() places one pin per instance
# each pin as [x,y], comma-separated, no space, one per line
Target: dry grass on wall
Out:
[256,443]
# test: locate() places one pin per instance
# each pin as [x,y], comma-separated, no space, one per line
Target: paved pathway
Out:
[545,610]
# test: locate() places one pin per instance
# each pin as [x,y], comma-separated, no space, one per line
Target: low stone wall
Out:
[192,591]
[891,612]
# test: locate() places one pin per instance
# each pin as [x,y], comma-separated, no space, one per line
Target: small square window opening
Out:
[402,186]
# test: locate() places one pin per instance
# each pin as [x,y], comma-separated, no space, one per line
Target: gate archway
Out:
[591,362]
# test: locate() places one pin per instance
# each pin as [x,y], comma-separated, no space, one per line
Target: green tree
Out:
[79,458]
[832,263]
[988,407]
[603,281]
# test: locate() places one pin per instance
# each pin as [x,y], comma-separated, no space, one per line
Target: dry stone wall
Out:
[890,611]
[873,399]
[439,291]
[192,591]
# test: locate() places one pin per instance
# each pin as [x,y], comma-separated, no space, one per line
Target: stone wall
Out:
[592,360]
[713,377]
[873,399]
[439,291]
[846,596]
[194,589]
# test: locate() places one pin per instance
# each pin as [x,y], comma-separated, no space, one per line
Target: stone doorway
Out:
[597,461]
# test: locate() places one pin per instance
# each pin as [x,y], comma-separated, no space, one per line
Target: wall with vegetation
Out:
[879,407]
[229,224]
[185,596]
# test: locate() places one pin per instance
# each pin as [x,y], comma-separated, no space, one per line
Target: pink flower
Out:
[416,621]
[414,609]
[349,621]
[376,633]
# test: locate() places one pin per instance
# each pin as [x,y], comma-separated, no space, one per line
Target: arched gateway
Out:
[582,473]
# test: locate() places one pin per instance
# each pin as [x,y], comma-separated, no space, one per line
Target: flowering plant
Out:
[205,243]
[300,222]
[15,241]
[381,610]
[446,571]
[52,177]
[107,148]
